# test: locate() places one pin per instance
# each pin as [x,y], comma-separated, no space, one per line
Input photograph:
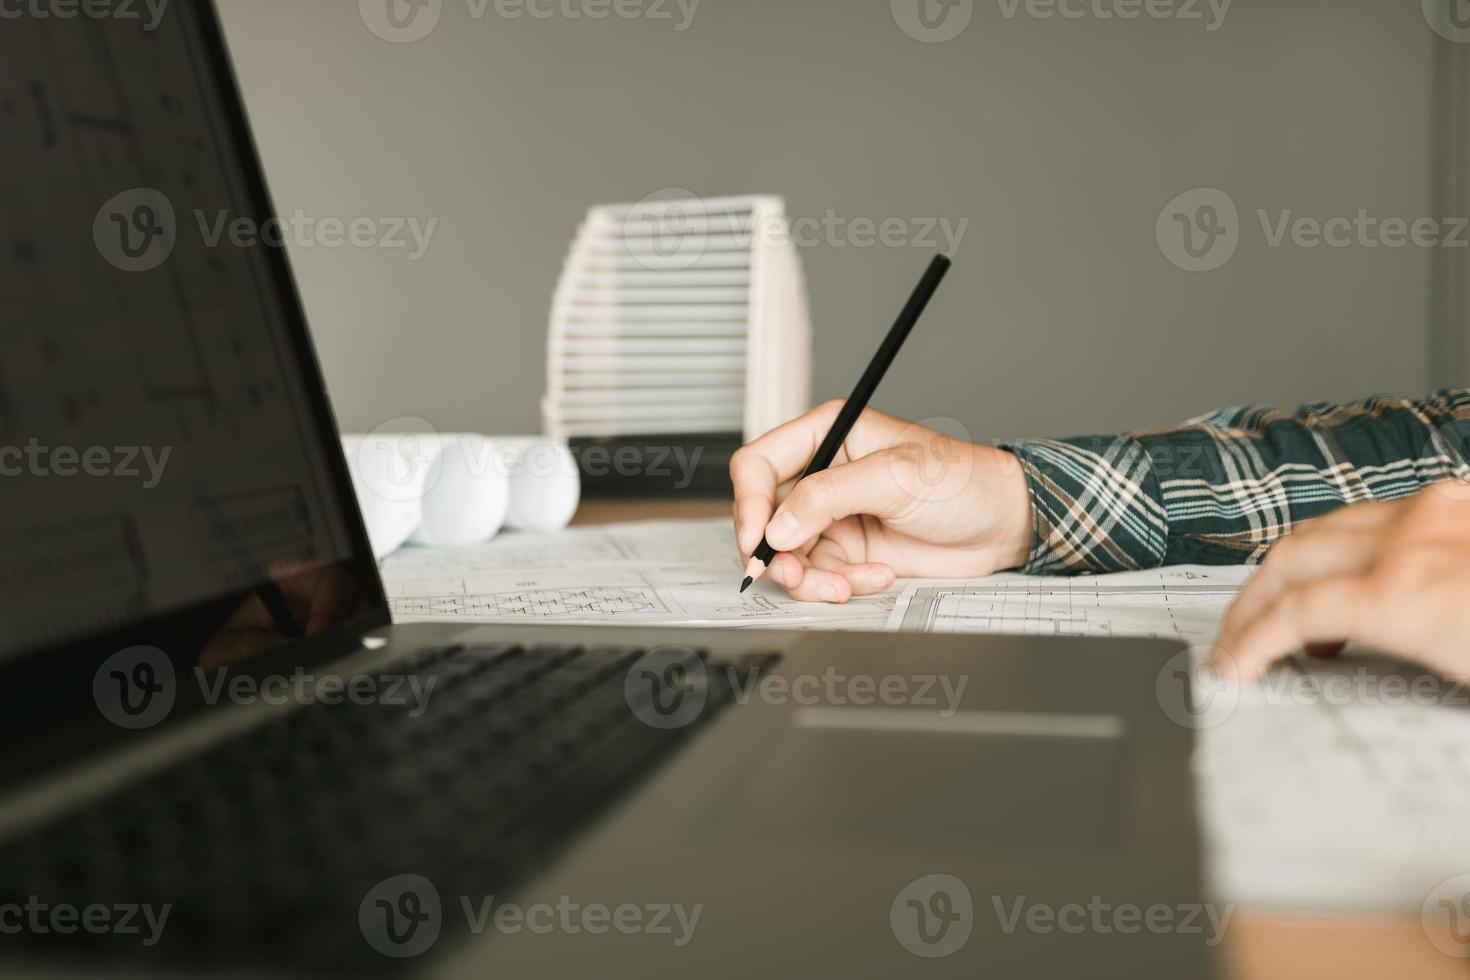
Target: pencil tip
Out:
[746,584]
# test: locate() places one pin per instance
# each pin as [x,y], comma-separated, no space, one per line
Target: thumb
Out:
[870,485]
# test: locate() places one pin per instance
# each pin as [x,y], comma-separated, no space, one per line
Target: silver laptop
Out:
[223,759]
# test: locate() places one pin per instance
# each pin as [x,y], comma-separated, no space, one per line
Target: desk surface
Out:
[1258,946]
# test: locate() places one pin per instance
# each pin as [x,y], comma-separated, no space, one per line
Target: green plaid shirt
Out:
[1223,488]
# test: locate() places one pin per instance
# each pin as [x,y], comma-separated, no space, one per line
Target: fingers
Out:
[866,486]
[808,583]
[1328,610]
[864,577]
[1309,554]
[825,575]
[759,469]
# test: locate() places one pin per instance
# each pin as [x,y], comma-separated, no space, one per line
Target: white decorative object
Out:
[679,317]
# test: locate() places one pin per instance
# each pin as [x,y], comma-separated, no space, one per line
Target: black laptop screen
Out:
[169,469]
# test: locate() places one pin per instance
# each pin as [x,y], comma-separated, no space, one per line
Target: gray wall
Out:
[1060,140]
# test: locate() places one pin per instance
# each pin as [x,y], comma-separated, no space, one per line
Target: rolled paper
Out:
[389,473]
[545,487]
[467,503]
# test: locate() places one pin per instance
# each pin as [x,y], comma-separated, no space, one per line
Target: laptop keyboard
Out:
[264,846]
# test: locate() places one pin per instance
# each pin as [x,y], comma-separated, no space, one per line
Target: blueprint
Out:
[675,573]
[1183,601]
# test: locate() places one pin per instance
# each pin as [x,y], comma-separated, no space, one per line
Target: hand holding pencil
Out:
[877,497]
[900,500]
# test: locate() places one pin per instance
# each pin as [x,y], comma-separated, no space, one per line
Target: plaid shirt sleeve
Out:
[1223,488]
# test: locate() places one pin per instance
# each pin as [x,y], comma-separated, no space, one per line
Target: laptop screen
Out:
[169,469]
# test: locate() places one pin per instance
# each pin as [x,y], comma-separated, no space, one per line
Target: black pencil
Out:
[860,396]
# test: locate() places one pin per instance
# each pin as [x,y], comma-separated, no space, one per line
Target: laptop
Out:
[222,758]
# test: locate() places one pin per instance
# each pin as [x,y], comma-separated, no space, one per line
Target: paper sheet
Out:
[1184,601]
[672,573]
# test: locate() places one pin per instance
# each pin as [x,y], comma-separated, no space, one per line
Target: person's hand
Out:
[316,595]
[899,499]
[1394,576]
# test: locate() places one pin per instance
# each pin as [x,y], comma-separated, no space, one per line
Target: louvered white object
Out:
[679,317]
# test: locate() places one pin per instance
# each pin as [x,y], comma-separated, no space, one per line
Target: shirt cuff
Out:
[1095,505]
